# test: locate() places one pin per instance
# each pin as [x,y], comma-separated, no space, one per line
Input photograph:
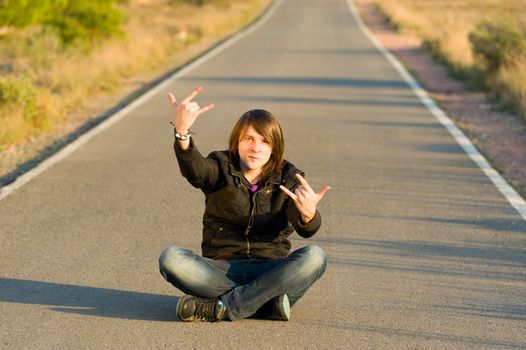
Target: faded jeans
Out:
[243,285]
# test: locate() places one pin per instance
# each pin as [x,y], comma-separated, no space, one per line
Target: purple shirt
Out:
[254,188]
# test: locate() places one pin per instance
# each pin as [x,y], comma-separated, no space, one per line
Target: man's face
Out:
[254,151]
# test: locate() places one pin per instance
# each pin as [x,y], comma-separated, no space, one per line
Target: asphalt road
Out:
[424,252]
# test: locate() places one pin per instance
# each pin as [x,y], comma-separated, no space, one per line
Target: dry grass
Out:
[448,22]
[445,25]
[69,85]
[511,84]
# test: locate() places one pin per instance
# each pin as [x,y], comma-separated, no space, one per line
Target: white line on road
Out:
[511,195]
[114,118]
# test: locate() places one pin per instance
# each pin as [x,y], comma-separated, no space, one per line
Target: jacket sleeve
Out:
[304,230]
[200,172]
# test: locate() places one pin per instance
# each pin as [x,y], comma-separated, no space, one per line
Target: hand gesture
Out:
[305,198]
[187,111]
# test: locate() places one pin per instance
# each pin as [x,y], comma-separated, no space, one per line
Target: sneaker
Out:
[190,309]
[277,308]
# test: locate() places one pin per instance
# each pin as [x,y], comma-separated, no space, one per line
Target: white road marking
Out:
[114,118]
[511,195]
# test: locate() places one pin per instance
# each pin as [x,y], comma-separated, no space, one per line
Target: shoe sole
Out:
[283,309]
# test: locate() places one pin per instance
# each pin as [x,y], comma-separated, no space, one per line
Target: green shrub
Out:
[24,13]
[498,44]
[20,95]
[198,2]
[72,19]
[17,92]
[82,19]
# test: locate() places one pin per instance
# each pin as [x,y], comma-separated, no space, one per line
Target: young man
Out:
[254,200]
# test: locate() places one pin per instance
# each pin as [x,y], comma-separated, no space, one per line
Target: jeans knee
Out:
[315,259]
[170,259]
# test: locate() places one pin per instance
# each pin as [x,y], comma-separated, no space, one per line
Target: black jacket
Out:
[238,224]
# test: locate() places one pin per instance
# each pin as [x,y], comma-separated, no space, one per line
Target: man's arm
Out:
[185,114]
[305,198]
[304,229]
[199,171]
[304,216]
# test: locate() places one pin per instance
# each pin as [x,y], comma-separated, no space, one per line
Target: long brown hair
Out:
[265,124]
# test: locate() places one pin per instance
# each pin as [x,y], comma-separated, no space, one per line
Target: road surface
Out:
[424,251]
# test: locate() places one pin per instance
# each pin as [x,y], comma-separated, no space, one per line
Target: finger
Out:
[207,108]
[287,192]
[192,107]
[171,98]
[304,183]
[192,95]
[323,191]
[300,195]
[301,191]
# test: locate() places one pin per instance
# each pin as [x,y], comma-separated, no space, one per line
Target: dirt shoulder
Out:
[499,136]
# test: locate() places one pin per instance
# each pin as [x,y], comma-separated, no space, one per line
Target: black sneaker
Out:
[277,308]
[190,308]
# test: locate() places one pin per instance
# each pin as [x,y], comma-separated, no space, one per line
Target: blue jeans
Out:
[243,285]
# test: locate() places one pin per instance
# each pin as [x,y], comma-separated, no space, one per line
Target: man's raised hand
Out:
[187,111]
[305,198]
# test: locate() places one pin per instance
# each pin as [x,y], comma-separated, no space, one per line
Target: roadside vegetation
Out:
[483,42]
[60,58]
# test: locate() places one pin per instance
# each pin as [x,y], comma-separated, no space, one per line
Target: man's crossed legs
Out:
[239,289]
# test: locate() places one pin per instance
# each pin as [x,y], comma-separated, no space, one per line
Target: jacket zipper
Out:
[252,212]
[250,222]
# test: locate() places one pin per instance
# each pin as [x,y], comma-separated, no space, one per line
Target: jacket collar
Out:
[274,178]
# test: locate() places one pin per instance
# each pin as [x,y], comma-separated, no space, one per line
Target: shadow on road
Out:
[330,101]
[89,300]
[473,260]
[303,81]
